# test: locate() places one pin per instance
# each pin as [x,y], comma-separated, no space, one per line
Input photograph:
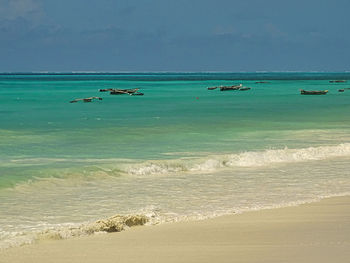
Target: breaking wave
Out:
[98,169]
[244,159]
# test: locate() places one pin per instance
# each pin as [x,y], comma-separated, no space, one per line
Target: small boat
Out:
[85,99]
[343,89]
[105,90]
[212,88]
[337,81]
[313,92]
[258,82]
[234,87]
[244,88]
[123,91]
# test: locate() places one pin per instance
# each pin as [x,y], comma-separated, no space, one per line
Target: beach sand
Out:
[316,232]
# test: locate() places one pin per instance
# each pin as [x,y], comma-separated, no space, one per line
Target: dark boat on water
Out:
[313,92]
[337,81]
[225,88]
[123,91]
[86,99]
[244,88]
[105,90]
[342,90]
[234,87]
[258,82]
[120,91]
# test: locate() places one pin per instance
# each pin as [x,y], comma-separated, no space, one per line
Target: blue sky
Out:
[164,35]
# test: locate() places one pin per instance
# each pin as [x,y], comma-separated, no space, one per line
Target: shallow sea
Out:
[180,152]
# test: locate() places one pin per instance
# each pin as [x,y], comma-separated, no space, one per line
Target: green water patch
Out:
[173,117]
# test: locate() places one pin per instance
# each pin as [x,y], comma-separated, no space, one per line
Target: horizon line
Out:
[159,72]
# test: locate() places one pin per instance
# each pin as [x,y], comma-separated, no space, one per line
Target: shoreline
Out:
[311,232]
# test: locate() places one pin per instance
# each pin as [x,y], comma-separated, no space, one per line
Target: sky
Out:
[177,35]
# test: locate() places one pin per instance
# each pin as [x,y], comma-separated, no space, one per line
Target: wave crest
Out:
[112,168]
[245,159]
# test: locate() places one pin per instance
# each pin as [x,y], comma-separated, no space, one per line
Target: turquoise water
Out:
[210,150]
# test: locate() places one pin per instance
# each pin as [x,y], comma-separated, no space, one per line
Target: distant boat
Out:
[234,87]
[244,88]
[123,91]
[261,82]
[337,81]
[313,92]
[85,99]
[342,90]
[105,90]
[119,91]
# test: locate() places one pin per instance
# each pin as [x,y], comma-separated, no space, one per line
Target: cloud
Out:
[11,10]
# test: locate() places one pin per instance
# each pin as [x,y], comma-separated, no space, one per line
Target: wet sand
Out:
[316,232]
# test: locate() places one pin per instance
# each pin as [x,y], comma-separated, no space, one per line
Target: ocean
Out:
[180,152]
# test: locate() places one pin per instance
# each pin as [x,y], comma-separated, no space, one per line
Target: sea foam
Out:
[115,223]
[101,169]
[244,159]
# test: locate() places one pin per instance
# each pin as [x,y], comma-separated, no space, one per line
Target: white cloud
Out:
[27,9]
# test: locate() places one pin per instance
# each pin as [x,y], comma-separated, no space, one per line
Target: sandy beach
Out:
[316,232]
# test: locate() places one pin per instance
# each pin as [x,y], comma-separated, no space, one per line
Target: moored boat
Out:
[343,89]
[86,99]
[123,91]
[313,92]
[105,90]
[245,88]
[337,81]
[225,88]
[234,87]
